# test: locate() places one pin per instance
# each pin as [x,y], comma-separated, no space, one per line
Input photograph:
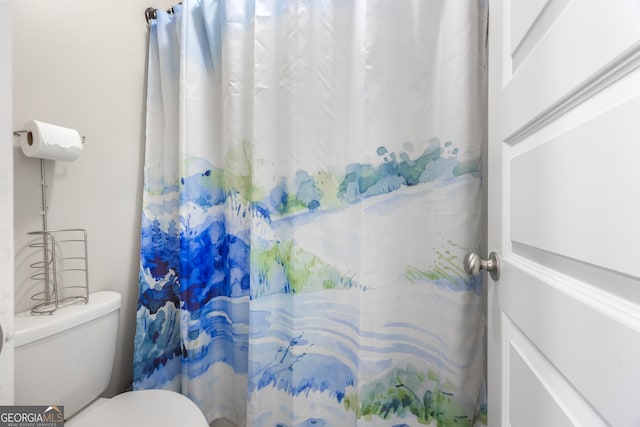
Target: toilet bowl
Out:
[141,408]
[67,358]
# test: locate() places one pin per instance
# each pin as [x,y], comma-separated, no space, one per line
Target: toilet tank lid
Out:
[29,327]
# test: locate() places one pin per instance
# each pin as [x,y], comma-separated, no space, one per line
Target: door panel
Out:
[522,19]
[584,177]
[528,387]
[555,401]
[580,331]
[564,149]
[528,23]
[584,42]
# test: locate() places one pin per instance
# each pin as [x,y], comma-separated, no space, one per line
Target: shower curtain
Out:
[312,182]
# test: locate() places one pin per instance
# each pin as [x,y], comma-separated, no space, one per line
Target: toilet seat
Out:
[157,408]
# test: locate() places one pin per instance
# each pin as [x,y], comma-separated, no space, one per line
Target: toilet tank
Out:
[66,358]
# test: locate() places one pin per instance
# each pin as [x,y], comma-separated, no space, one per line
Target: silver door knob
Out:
[473,264]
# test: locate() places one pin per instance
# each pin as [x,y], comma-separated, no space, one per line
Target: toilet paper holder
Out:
[72,244]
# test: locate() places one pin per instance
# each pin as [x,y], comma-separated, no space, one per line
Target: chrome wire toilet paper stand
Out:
[64,256]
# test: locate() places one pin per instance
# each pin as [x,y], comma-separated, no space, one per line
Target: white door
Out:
[6,208]
[564,212]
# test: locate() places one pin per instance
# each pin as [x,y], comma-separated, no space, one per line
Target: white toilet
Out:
[67,358]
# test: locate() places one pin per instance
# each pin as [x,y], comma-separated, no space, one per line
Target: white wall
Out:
[81,64]
[6,207]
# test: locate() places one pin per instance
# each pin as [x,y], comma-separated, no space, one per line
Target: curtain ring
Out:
[149,14]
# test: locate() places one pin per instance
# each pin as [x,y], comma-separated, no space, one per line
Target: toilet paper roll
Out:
[47,141]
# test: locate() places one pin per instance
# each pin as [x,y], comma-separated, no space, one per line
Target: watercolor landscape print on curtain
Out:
[303,268]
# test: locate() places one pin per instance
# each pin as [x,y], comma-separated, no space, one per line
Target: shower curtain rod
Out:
[151,12]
